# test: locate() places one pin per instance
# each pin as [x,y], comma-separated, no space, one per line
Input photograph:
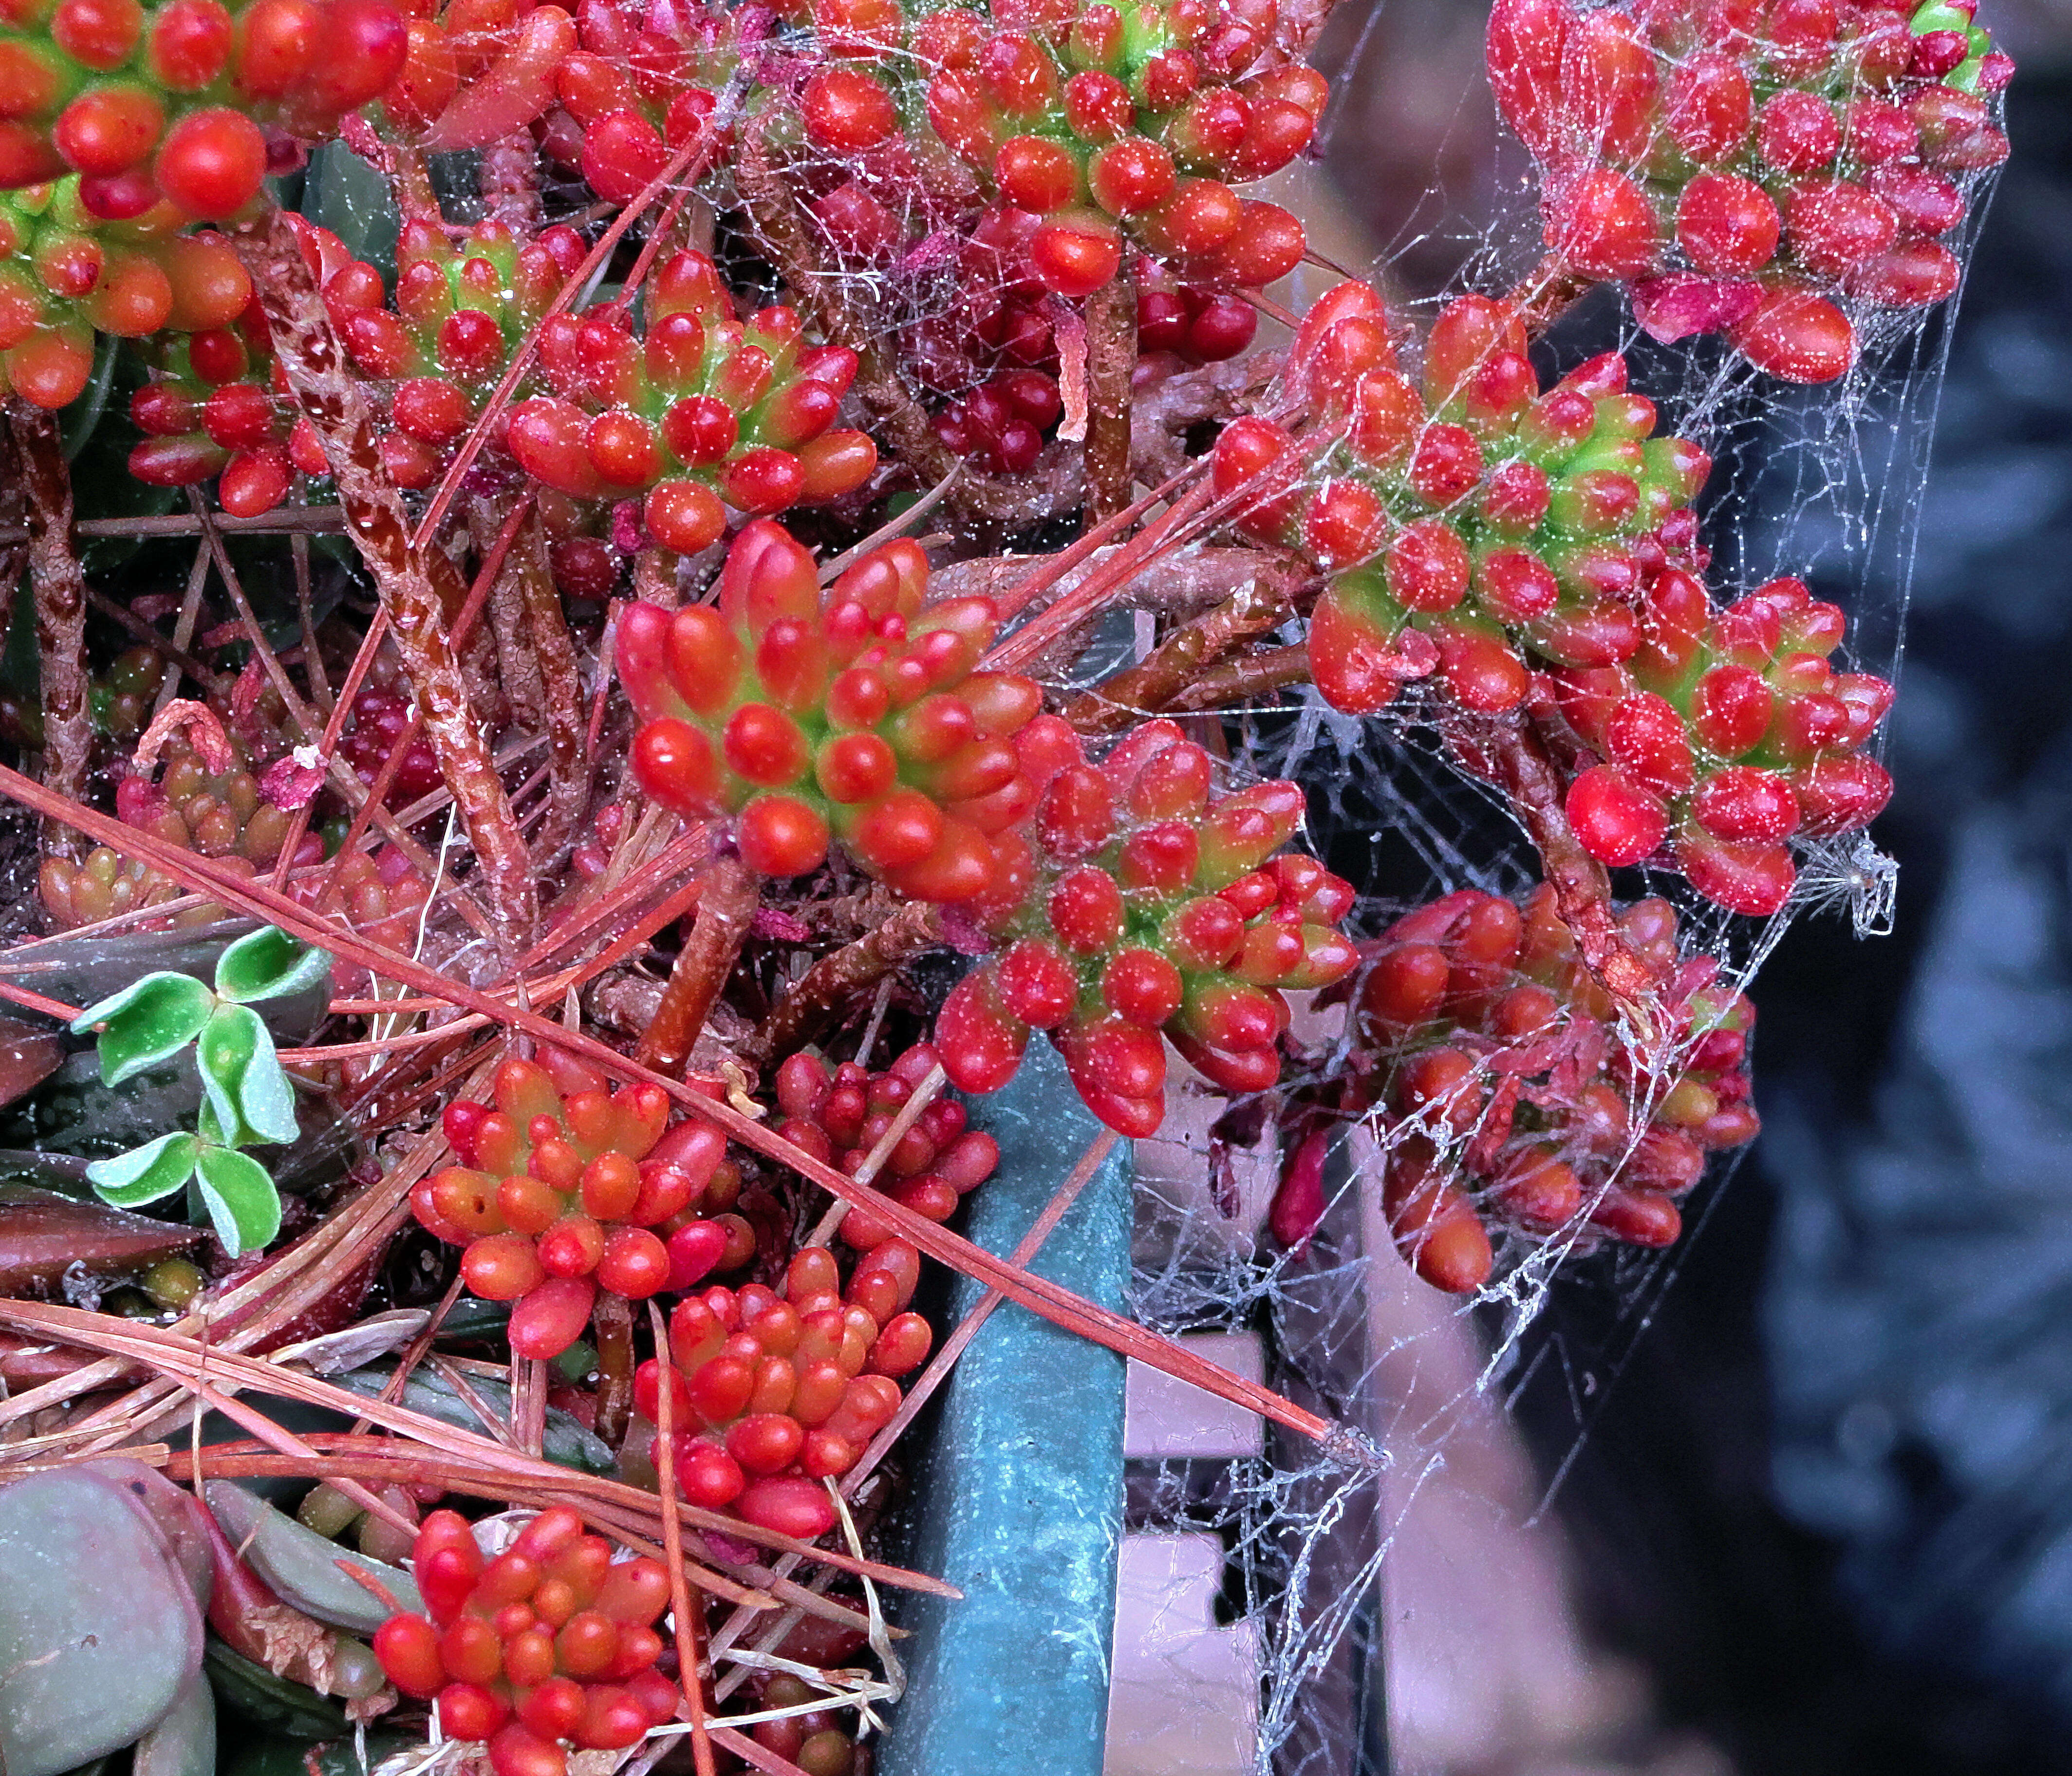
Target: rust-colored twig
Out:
[516,664]
[727,895]
[1086,599]
[58,584]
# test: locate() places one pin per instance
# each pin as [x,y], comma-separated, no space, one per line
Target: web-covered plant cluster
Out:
[769,559]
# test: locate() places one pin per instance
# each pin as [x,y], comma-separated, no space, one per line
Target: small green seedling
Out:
[249,1101]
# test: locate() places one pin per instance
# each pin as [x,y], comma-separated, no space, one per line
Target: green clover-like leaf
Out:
[247,1088]
[242,1202]
[144,1174]
[268,964]
[147,1022]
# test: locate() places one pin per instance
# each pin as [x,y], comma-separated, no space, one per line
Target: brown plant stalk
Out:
[58,584]
[818,998]
[1179,662]
[418,586]
[1111,362]
[613,1324]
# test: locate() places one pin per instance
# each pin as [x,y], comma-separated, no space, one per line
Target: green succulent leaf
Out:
[144,1174]
[247,1087]
[268,964]
[242,1202]
[148,1021]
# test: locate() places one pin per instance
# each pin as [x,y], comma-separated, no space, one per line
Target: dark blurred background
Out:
[1827,1503]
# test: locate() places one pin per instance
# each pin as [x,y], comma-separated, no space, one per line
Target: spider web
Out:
[1823,484]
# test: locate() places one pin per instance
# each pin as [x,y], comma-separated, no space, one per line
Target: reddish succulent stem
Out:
[1179,662]
[561,683]
[417,584]
[613,1323]
[1110,362]
[516,664]
[1548,292]
[818,996]
[1241,680]
[60,588]
[410,176]
[1525,769]
[508,180]
[726,903]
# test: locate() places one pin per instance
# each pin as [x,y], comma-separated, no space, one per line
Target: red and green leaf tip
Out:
[704,407]
[1746,166]
[1100,121]
[641,86]
[1138,905]
[1510,1098]
[188,103]
[460,311]
[1475,522]
[566,1187]
[66,273]
[772,1395]
[857,716]
[1726,733]
[1491,534]
[550,1644]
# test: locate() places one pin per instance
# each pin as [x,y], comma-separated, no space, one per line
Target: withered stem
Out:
[418,587]
[1179,662]
[1110,362]
[58,586]
[613,1325]
[818,998]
